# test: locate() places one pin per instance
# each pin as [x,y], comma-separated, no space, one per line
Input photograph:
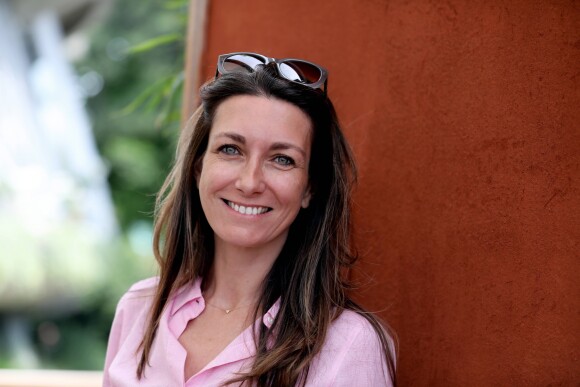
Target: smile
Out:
[247,210]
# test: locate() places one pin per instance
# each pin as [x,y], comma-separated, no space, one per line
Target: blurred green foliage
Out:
[139,54]
[138,51]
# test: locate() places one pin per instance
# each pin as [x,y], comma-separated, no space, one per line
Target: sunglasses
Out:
[295,70]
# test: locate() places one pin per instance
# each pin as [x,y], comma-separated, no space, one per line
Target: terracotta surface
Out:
[465,122]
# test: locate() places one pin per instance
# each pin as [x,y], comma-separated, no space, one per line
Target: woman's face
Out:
[254,173]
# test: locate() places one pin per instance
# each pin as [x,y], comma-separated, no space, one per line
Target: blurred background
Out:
[90,93]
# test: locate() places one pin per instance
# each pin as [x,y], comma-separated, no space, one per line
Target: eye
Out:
[229,149]
[284,160]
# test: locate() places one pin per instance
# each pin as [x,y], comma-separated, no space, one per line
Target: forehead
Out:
[258,118]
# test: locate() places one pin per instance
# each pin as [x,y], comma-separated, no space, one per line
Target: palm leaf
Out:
[154,42]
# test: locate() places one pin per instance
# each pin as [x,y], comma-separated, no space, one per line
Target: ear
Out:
[306,197]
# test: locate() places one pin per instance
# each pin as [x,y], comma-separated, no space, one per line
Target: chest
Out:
[206,336]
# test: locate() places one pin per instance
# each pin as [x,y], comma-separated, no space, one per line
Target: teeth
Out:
[247,210]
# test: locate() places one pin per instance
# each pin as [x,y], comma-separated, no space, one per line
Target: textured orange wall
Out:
[464,119]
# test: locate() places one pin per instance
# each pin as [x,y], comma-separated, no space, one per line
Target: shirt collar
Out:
[187,293]
[271,314]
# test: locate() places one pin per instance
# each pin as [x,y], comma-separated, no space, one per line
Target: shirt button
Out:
[269,319]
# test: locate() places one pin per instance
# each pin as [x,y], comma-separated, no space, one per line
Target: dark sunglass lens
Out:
[241,63]
[298,71]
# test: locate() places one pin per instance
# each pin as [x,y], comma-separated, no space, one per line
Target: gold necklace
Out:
[227,311]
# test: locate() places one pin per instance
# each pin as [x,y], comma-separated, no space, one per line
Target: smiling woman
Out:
[252,236]
[256,164]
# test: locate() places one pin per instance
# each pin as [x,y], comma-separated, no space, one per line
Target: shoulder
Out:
[139,292]
[136,301]
[355,328]
[352,354]
[147,283]
[129,322]
[365,335]
[132,309]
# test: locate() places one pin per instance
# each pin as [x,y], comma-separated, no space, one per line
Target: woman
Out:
[252,237]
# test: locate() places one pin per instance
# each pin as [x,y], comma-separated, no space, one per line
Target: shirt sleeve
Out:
[129,315]
[364,363]
[115,337]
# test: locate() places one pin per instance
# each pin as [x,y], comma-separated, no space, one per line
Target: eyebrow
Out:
[275,146]
[285,145]
[236,137]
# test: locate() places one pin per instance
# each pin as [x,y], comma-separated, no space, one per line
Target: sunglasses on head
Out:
[295,70]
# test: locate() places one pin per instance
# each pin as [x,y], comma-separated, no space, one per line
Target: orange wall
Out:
[464,120]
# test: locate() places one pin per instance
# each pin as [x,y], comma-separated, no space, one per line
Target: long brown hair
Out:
[308,276]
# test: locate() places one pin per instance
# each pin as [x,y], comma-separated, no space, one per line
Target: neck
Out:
[238,274]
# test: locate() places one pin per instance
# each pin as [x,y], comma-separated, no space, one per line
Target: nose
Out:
[251,178]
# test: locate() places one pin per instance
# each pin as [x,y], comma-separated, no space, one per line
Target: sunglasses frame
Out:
[322,83]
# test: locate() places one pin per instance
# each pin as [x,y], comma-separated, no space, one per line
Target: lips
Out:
[247,210]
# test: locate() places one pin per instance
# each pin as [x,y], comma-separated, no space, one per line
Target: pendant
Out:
[227,311]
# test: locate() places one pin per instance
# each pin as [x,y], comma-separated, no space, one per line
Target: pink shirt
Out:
[351,355]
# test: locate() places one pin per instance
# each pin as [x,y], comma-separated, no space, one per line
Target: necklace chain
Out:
[227,311]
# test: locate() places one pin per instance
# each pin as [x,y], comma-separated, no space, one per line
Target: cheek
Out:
[205,182]
[214,176]
[292,189]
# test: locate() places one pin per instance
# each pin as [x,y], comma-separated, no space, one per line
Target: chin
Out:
[250,240]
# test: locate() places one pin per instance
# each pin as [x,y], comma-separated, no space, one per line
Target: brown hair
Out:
[308,275]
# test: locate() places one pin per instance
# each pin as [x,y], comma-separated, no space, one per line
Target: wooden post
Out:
[194,44]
